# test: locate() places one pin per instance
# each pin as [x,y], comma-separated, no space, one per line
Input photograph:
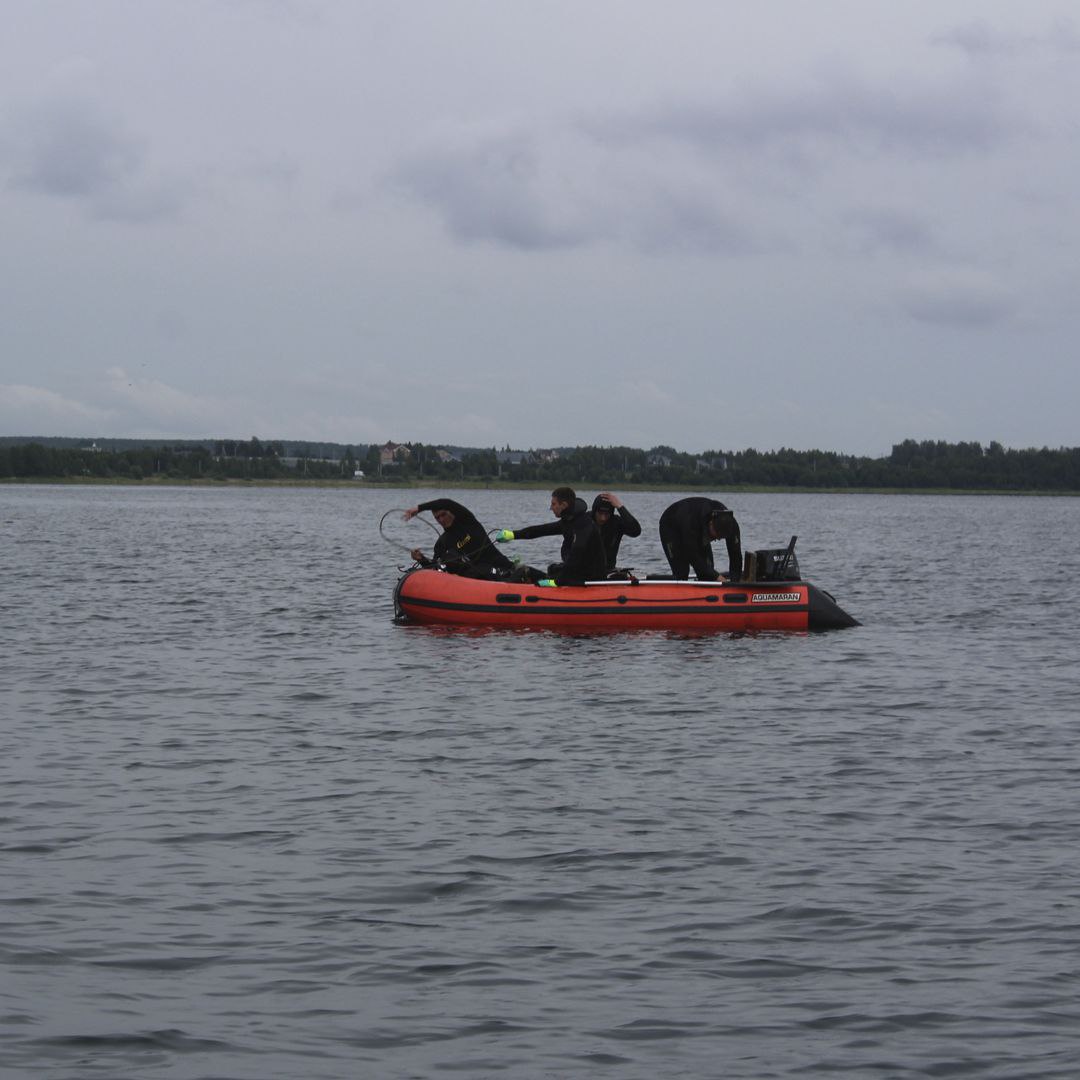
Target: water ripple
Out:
[252,828]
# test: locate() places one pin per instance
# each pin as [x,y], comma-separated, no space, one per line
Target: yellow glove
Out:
[503,535]
[546,583]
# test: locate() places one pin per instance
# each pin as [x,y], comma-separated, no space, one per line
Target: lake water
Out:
[252,828]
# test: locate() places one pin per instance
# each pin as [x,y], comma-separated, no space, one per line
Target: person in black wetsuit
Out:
[582,549]
[464,542]
[687,530]
[614,521]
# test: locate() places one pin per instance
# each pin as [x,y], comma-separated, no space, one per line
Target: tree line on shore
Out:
[910,465]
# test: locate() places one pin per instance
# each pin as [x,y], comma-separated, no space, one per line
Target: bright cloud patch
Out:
[157,401]
[33,410]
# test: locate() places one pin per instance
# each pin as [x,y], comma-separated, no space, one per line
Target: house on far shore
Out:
[513,457]
[394,453]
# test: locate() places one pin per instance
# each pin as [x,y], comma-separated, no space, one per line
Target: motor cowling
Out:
[776,564]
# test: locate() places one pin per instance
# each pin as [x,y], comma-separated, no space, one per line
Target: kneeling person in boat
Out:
[464,542]
[614,521]
[688,529]
[582,552]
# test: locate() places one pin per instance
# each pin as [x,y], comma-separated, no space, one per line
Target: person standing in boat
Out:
[614,521]
[464,541]
[688,529]
[583,556]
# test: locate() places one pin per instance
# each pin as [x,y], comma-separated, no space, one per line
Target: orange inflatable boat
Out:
[436,597]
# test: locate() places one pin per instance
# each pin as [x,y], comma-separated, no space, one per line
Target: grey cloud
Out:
[890,231]
[535,193]
[957,298]
[71,150]
[956,310]
[302,12]
[980,38]
[844,111]
[1063,37]
[67,149]
[145,203]
[691,177]
[491,192]
[687,220]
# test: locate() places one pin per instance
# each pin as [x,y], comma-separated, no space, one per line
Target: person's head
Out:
[444,517]
[562,499]
[602,509]
[721,524]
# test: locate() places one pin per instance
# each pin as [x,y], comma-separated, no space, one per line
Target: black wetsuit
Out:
[620,523]
[466,541]
[684,534]
[582,549]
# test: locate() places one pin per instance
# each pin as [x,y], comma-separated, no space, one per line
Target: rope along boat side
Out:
[437,598]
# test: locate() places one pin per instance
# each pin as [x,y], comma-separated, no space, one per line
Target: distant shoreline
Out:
[925,467]
[483,485]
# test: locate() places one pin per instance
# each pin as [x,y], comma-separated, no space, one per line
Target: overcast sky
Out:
[705,224]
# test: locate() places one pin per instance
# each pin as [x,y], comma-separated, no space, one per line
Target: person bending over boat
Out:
[614,522]
[464,542]
[687,530]
[582,549]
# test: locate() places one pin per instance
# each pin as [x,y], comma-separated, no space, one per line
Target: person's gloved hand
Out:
[503,535]
[546,583]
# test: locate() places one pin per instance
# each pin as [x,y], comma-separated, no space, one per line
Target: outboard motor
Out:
[773,564]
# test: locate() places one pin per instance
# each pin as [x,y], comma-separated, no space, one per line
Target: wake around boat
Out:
[436,597]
